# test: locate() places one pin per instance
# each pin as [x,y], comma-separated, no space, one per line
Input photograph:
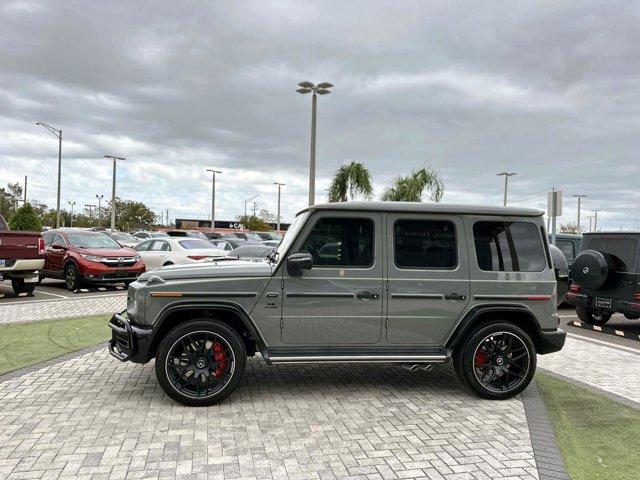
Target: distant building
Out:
[196,224]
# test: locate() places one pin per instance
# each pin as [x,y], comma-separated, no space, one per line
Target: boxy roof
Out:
[427,207]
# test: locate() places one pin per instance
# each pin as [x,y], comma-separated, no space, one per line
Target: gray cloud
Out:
[544,89]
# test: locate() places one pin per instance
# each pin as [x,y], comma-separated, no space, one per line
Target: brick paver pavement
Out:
[29,311]
[608,368]
[93,417]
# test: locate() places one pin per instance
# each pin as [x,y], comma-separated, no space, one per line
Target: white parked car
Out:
[144,235]
[271,243]
[160,252]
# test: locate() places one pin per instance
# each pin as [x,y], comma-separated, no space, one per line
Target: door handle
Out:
[364,295]
[455,296]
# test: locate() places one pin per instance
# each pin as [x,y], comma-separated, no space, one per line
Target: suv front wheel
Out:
[592,317]
[497,360]
[200,362]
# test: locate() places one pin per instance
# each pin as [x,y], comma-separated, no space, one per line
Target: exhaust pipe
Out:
[425,367]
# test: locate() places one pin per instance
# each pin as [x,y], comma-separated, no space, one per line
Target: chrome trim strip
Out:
[219,294]
[510,297]
[359,358]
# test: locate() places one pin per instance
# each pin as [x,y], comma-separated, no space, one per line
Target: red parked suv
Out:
[81,256]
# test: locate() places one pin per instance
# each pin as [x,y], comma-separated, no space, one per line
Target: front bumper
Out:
[129,342]
[550,341]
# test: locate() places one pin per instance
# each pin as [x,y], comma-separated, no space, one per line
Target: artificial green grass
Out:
[23,344]
[598,437]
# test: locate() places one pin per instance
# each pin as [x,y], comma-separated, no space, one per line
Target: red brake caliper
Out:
[221,357]
[481,358]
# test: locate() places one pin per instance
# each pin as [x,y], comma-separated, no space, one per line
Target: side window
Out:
[341,242]
[143,246]
[48,238]
[508,246]
[166,247]
[425,244]
[59,239]
[566,247]
[158,246]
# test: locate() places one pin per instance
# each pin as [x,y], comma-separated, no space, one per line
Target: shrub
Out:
[25,218]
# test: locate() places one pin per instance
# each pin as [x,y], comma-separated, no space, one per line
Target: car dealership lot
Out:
[51,289]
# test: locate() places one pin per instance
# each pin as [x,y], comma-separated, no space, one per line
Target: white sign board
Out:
[554,203]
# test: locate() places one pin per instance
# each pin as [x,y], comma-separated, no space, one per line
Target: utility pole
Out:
[590,223]
[255,205]
[113,190]
[506,183]
[99,197]
[280,185]
[213,195]
[73,204]
[320,89]
[595,220]
[90,206]
[248,200]
[579,197]
[167,217]
[25,191]
[58,134]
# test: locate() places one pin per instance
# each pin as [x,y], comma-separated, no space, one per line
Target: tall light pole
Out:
[590,217]
[506,183]
[99,197]
[595,219]
[113,190]
[320,89]
[213,195]
[248,200]
[90,206]
[280,185]
[73,204]
[579,197]
[58,134]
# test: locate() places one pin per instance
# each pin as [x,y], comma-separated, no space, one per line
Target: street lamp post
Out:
[113,190]
[579,197]
[506,183]
[280,185]
[58,134]
[99,197]
[90,206]
[595,220]
[248,200]
[213,195]
[73,204]
[320,89]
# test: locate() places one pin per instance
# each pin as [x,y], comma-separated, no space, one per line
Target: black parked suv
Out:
[605,277]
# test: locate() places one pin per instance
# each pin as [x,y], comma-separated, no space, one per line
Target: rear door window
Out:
[622,249]
[509,247]
[425,244]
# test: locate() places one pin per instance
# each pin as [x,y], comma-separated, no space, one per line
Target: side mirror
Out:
[59,245]
[298,262]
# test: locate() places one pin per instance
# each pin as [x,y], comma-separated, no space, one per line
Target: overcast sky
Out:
[550,90]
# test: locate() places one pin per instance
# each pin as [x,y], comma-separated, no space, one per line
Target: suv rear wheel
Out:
[200,362]
[592,317]
[497,360]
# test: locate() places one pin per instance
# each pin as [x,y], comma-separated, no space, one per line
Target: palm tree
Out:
[352,179]
[412,187]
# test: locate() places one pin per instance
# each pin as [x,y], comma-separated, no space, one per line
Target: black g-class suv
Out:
[605,277]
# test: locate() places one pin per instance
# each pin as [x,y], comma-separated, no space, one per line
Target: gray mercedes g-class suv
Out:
[410,283]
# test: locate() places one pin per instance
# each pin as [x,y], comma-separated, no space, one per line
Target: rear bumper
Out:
[129,342]
[617,305]
[550,341]
[23,268]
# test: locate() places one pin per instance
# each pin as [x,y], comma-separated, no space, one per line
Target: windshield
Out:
[292,233]
[92,241]
[159,235]
[124,237]
[194,244]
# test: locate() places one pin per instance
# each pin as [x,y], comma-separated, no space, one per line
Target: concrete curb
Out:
[545,449]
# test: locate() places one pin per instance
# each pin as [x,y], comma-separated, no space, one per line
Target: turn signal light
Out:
[41,246]
[637,296]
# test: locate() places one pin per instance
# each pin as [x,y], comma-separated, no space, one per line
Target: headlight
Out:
[137,257]
[92,258]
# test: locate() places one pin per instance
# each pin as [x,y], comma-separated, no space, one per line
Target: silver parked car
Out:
[409,283]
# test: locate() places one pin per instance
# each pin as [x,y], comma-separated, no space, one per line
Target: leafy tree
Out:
[9,199]
[267,216]
[570,228]
[412,187]
[129,215]
[350,180]
[25,218]
[254,223]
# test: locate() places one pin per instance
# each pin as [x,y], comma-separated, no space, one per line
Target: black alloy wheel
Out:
[72,277]
[200,363]
[497,361]
[20,286]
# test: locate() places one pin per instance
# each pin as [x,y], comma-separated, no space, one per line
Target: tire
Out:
[72,278]
[210,350]
[127,283]
[631,317]
[20,286]
[592,317]
[497,360]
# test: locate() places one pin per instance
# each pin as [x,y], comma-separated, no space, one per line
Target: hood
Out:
[109,252]
[215,269]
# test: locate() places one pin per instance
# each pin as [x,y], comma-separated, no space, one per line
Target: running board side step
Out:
[354,358]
